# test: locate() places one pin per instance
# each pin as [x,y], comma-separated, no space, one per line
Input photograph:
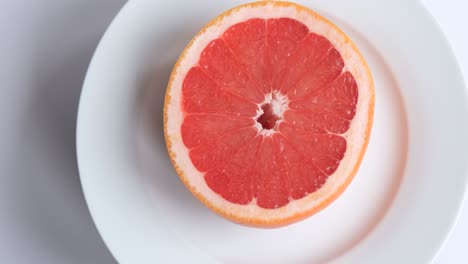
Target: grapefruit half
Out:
[268,113]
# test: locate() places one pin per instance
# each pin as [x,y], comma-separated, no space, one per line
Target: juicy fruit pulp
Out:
[265,112]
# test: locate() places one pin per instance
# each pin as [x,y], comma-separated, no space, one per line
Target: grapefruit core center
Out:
[270,113]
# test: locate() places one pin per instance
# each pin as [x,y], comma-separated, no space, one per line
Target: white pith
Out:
[355,136]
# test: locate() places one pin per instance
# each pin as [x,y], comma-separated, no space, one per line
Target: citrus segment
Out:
[315,78]
[339,98]
[307,55]
[247,41]
[218,151]
[199,91]
[304,176]
[283,37]
[269,183]
[220,64]
[200,128]
[317,122]
[234,181]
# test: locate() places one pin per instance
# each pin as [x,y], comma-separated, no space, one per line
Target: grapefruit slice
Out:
[268,113]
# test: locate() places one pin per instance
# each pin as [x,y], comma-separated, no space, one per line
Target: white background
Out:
[45,48]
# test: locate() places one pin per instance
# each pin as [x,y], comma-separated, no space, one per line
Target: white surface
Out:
[45,50]
[144,213]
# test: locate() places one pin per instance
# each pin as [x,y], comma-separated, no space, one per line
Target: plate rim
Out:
[79,124]
[464,195]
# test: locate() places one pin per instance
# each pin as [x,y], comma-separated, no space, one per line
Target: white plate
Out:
[399,208]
